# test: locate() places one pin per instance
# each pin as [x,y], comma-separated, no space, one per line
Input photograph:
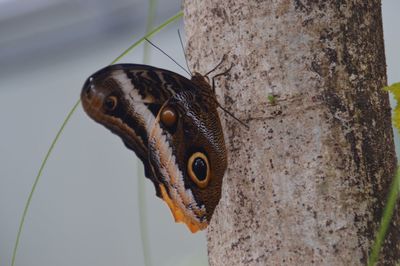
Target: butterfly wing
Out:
[189,157]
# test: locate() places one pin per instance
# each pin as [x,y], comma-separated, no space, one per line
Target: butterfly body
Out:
[172,125]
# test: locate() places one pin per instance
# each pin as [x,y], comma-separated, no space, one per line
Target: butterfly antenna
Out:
[183,49]
[159,49]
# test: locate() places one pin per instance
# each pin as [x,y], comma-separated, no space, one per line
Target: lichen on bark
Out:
[307,183]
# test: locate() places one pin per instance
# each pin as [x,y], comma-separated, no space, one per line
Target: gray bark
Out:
[307,183]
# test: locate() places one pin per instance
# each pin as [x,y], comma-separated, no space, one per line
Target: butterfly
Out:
[172,124]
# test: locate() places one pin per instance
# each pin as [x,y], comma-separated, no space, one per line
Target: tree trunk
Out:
[307,183]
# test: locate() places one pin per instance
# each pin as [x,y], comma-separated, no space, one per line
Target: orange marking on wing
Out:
[179,216]
[172,171]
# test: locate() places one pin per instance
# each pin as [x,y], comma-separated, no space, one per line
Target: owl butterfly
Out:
[172,125]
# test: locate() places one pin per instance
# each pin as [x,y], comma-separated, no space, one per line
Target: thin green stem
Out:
[151,13]
[39,174]
[144,229]
[28,202]
[385,221]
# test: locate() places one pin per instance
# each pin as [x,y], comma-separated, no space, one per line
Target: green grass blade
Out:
[385,221]
[28,202]
[394,188]
[70,113]
[148,35]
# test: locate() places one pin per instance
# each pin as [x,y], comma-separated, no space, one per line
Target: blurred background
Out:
[85,209]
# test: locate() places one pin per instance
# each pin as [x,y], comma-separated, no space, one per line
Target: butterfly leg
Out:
[220,63]
[225,110]
[218,75]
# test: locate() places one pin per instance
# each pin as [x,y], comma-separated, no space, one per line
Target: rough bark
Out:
[307,183]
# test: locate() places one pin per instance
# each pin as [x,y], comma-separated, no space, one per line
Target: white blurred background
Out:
[85,209]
